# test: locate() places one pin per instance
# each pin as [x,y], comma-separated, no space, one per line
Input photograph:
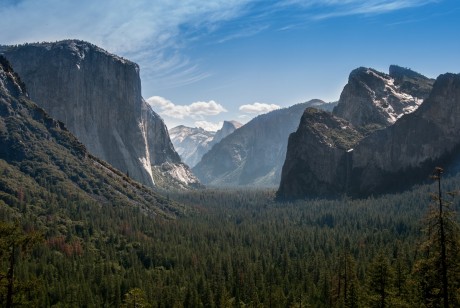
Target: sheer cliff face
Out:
[40,155]
[389,159]
[318,156]
[98,96]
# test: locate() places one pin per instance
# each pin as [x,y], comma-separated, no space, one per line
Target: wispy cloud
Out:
[156,33]
[152,33]
[335,8]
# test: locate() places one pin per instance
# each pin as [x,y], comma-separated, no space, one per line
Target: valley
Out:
[318,204]
[231,248]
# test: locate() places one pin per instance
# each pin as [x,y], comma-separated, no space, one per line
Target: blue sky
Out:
[203,62]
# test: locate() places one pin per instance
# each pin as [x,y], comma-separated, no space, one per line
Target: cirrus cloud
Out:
[258,108]
[196,110]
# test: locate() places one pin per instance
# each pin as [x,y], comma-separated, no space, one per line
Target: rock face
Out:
[325,140]
[98,96]
[410,149]
[375,100]
[389,159]
[253,154]
[38,155]
[192,143]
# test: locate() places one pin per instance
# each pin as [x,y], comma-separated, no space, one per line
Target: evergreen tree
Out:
[439,265]
[14,245]
[135,298]
[380,282]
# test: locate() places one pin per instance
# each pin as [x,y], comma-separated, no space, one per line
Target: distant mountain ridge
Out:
[41,159]
[192,143]
[228,127]
[98,96]
[389,158]
[254,154]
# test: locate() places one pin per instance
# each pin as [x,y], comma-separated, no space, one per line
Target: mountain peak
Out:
[374,100]
[193,143]
[327,157]
[399,71]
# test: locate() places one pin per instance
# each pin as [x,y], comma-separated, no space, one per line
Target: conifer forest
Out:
[234,248]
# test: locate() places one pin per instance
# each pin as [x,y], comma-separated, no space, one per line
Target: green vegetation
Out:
[237,248]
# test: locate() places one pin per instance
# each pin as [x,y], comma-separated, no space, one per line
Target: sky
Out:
[206,61]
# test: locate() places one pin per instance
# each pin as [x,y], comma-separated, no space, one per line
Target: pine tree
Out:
[135,298]
[438,268]
[380,282]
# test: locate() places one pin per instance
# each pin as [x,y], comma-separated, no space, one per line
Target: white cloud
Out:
[196,110]
[209,126]
[258,108]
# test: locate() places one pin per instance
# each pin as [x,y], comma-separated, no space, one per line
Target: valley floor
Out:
[231,248]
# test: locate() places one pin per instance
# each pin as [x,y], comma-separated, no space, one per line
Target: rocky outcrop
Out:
[41,158]
[318,156]
[386,160]
[411,82]
[98,96]
[192,143]
[254,154]
[375,100]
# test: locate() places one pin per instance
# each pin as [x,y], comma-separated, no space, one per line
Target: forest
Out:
[234,248]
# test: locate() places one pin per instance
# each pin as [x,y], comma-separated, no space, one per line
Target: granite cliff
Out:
[318,155]
[40,160]
[253,154]
[98,96]
[393,157]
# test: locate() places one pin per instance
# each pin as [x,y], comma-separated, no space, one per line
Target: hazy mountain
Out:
[98,96]
[228,127]
[253,154]
[388,159]
[41,160]
[191,143]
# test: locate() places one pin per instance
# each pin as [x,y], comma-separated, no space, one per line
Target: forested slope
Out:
[237,248]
